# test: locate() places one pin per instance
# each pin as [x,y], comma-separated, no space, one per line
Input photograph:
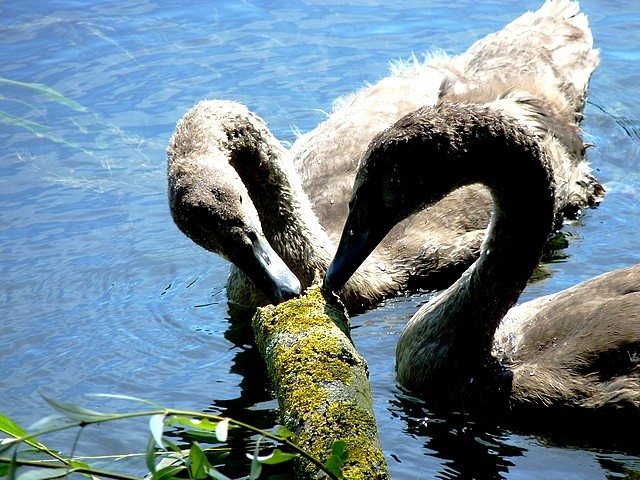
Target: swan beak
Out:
[368,222]
[271,274]
[355,246]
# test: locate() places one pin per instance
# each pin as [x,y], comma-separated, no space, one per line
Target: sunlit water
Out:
[102,294]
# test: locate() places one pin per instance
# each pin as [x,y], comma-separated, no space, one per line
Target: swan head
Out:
[367,224]
[373,211]
[429,153]
[404,170]
[210,205]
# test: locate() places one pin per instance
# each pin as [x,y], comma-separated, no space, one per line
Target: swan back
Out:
[536,70]
[552,44]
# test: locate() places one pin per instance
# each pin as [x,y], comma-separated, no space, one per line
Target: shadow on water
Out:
[255,404]
[248,364]
[484,448]
[467,449]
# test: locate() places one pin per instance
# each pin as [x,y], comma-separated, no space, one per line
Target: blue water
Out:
[100,293]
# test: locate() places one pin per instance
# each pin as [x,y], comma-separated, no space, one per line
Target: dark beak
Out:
[354,247]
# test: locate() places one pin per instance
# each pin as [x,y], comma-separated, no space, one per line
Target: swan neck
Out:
[454,332]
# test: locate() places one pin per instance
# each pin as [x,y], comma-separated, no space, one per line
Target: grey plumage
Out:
[536,70]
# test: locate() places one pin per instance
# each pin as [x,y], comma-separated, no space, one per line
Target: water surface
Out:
[101,293]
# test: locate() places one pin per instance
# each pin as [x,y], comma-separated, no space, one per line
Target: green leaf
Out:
[197,423]
[283,432]
[156,424]
[48,92]
[334,465]
[6,444]
[216,475]
[77,412]
[48,423]
[168,472]
[169,445]
[276,457]
[42,473]
[168,463]
[339,449]
[202,430]
[20,435]
[339,455]
[127,397]
[150,455]
[199,465]
[78,464]
[256,466]
[11,474]
[11,428]
[200,436]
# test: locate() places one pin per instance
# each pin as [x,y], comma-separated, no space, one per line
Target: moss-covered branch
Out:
[321,382]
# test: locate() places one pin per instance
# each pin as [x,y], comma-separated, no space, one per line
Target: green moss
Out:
[313,309]
[320,381]
[358,428]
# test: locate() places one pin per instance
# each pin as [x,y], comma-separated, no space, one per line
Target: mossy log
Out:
[321,383]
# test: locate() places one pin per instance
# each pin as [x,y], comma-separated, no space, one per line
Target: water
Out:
[102,294]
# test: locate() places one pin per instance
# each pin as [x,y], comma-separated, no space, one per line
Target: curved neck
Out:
[288,219]
[452,335]
[275,188]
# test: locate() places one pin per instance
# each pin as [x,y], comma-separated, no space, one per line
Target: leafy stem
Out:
[209,426]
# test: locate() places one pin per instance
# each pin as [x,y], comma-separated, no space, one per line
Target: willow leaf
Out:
[48,93]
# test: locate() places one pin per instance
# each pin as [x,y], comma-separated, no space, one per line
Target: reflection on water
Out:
[466,449]
[102,294]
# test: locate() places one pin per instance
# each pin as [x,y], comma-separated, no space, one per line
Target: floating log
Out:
[321,382]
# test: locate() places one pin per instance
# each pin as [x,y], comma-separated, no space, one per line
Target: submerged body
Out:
[234,189]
